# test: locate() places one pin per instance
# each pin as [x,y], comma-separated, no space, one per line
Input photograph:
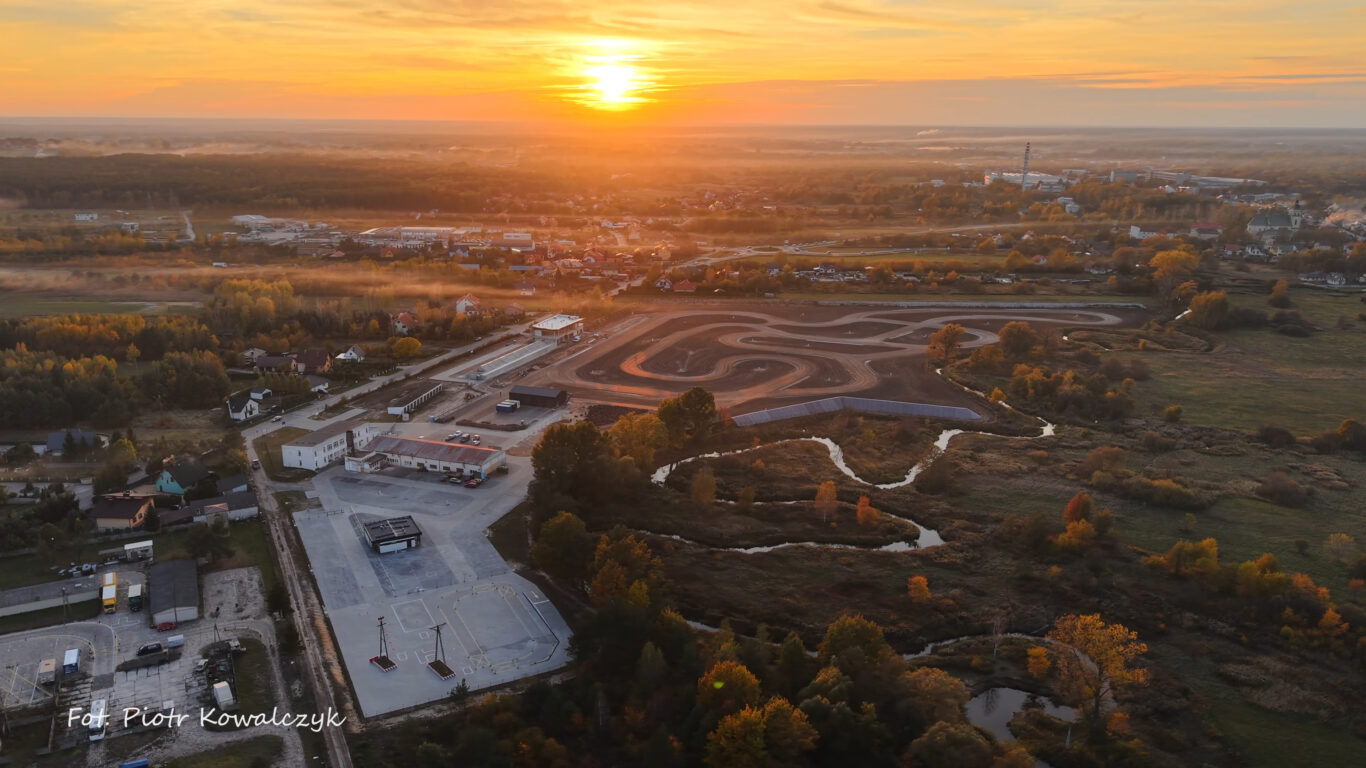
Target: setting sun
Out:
[614,83]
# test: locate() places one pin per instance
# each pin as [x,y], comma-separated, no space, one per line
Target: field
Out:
[267,449]
[983,567]
[48,616]
[249,540]
[1259,377]
[28,305]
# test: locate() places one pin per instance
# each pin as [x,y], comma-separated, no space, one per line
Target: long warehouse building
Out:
[434,455]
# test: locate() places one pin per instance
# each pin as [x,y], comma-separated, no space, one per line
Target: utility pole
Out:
[1024,172]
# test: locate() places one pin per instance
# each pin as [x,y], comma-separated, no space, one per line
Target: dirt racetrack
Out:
[785,354]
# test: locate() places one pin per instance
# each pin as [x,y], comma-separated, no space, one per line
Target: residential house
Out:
[314,360]
[404,323]
[685,286]
[353,354]
[250,354]
[232,484]
[664,284]
[180,474]
[120,512]
[317,384]
[86,216]
[1206,230]
[277,364]
[467,305]
[260,393]
[514,311]
[525,288]
[241,406]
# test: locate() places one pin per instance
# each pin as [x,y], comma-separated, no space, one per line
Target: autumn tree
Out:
[1092,659]
[703,487]
[1280,295]
[690,416]
[949,745]
[405,347]
[944,343]
[1209,310]
[772,736]
[727,687]
[639,435]
[1017,339]
[745,499]
[1079,508]
[918,589]
[564,548]
[866,513]
[935,695]
[1171,268]
[826,502]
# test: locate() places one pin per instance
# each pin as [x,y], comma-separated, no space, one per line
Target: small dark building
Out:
[539,397]
[174,591]
[393,535]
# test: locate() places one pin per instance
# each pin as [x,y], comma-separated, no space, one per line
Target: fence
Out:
[861,404]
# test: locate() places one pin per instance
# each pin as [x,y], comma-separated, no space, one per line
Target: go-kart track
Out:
[753,360]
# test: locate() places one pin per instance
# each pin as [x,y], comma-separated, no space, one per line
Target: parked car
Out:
[473,482]
[277,418]
[235,645]
[475,440]
[149,649]
[166,626]
[255,463]
[199,665]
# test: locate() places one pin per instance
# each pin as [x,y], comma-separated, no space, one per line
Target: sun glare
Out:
[612,83]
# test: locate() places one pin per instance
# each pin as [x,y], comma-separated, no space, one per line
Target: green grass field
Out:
[1260,377]
[28,305]
[268,451]
[249,540]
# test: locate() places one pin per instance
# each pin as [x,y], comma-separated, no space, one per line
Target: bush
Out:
[1172,414]
[1154,442]
[1278,487]
[1276,437]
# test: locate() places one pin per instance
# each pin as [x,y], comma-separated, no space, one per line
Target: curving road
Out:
[797,348]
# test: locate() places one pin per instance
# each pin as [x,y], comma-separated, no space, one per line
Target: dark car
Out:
[255,463]
[149,649]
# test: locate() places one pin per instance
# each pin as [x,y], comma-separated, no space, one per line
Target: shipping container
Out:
[71,661]
[47,672]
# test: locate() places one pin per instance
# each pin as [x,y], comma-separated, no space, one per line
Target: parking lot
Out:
[235,596]
[496,626]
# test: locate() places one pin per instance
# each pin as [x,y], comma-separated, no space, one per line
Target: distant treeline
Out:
[268,182]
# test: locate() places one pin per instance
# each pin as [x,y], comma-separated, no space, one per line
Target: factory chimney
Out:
[1024,172]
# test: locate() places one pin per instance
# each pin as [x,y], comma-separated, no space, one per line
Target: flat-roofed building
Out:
[538,397]
[393,535]
[327,445]
[431,455]
[557,327]
[409,399]
[174,591]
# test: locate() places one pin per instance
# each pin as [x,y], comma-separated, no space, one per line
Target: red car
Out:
[166,626]
[473,482]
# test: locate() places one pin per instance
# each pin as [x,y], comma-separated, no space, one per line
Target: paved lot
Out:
[496,626]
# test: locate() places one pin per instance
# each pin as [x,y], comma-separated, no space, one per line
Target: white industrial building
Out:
[432,455]
[557,327]
[325,446]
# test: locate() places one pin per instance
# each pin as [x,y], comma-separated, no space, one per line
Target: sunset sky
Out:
[1079,62]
